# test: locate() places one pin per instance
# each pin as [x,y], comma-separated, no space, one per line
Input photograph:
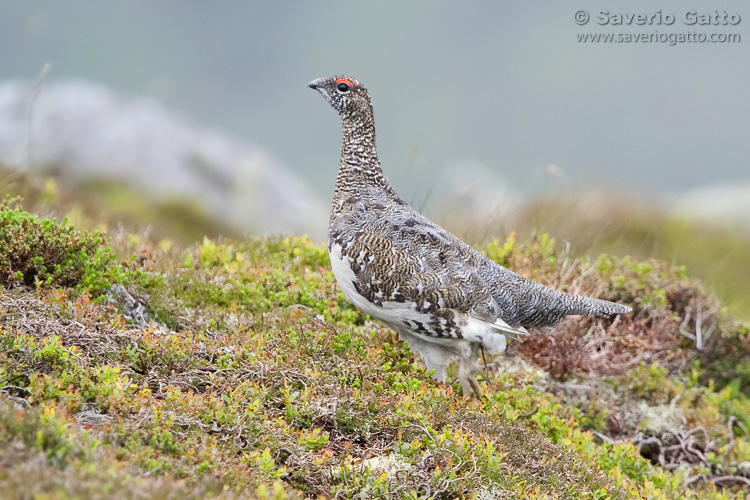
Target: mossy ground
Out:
[236,369]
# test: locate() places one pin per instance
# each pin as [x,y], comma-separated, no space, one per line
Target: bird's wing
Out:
[428,270]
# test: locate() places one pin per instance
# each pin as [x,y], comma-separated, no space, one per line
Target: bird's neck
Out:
[360,165]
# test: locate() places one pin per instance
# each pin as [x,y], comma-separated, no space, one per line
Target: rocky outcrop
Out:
[81,131]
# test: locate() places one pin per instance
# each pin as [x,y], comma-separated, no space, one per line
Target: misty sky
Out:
[504,84]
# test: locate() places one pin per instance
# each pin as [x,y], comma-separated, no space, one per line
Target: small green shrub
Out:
[36,251]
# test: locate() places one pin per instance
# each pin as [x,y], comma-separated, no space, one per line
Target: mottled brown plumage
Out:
[436,291]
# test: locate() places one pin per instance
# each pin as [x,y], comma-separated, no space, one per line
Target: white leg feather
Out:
[467,372]
[436,357]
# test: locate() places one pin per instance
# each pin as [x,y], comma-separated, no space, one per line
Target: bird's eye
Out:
[344,86]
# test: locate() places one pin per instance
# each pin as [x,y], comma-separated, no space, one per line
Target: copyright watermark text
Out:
[690,21]
[659,18]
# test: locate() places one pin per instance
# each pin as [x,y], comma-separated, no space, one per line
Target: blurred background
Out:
[181,120]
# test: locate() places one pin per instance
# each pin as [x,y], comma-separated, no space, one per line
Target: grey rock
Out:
[133,311]
[82,131]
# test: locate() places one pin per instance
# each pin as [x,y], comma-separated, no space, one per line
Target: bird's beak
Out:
[314,84]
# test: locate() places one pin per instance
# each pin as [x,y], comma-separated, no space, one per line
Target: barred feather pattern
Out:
[437,292]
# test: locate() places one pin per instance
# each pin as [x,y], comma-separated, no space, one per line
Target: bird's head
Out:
[345,94]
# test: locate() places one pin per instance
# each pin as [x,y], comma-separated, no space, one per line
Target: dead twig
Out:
[527,415]
[731,480]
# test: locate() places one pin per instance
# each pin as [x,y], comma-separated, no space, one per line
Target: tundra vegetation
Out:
[236,369]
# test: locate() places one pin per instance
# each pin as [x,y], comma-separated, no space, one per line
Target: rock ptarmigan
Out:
[438,293]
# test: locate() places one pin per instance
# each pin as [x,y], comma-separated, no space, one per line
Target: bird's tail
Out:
[588,306]
[550,306]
